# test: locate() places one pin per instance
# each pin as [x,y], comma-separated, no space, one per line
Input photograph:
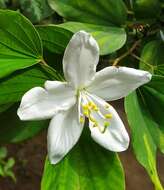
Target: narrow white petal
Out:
[63,133]
[114,138]
[80,59]
[39,103]
[114,83]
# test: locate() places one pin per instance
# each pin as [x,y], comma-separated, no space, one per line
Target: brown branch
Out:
[134,46]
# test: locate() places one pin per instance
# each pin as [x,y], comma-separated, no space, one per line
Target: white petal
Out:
[115,138]
[63,133]
[39,103]
[114,83]
[80,59]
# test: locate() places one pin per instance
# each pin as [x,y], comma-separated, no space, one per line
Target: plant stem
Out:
[130,51]
[138,58]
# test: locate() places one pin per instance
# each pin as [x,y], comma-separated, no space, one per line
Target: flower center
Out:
[98,115]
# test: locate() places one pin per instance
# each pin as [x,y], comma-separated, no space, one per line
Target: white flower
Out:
[68,103]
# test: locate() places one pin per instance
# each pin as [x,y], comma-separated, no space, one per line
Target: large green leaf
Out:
[14,86]
[12,129]
[100,12]
[87,166]
[109,38]
[36,10]
[146,133]
[54,39]
[152,57]
[20,44]
[153,94]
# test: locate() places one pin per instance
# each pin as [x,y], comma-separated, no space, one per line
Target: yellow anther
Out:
[90,104]
[86,113]
[85,107]
[106,124]
[108,116]
[95,108]
[82,119]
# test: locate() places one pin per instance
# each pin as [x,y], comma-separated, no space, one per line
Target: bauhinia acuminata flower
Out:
[84,95]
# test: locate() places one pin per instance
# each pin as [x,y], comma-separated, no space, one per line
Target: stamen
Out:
[90,104]
[89,109]
[108,116]
[82,119]
[86,113]
[95,124]
[106,124]
[95,108]
[85,107]
[107,106]
[92,119]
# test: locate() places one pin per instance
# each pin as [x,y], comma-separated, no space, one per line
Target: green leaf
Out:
[3,152]
[152,57]
[3,4]
[14,130]
[4,107]
[14,86]
[109,38]
[1,171]
[36,10]
[153,94]
[146,135]
[87,166]
[100,12]
[54,39]
[146,8]
[20,44]
[9,164]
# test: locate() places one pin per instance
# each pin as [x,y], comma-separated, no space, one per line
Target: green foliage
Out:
[103,25]
[152,57]
[12,89]
[14,86]
[144,110]
[137,26]
[54,39]
[146,134]
[3,3]
[87,166]
[36,10]
[147,8]
[16,130]
[103,34]
[88,11]
[20,43]
[6,165]
[4,107]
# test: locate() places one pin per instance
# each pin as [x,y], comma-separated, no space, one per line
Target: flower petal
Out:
[39,103]
[114,138]
[63,133]
[80,59]
[114,83]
